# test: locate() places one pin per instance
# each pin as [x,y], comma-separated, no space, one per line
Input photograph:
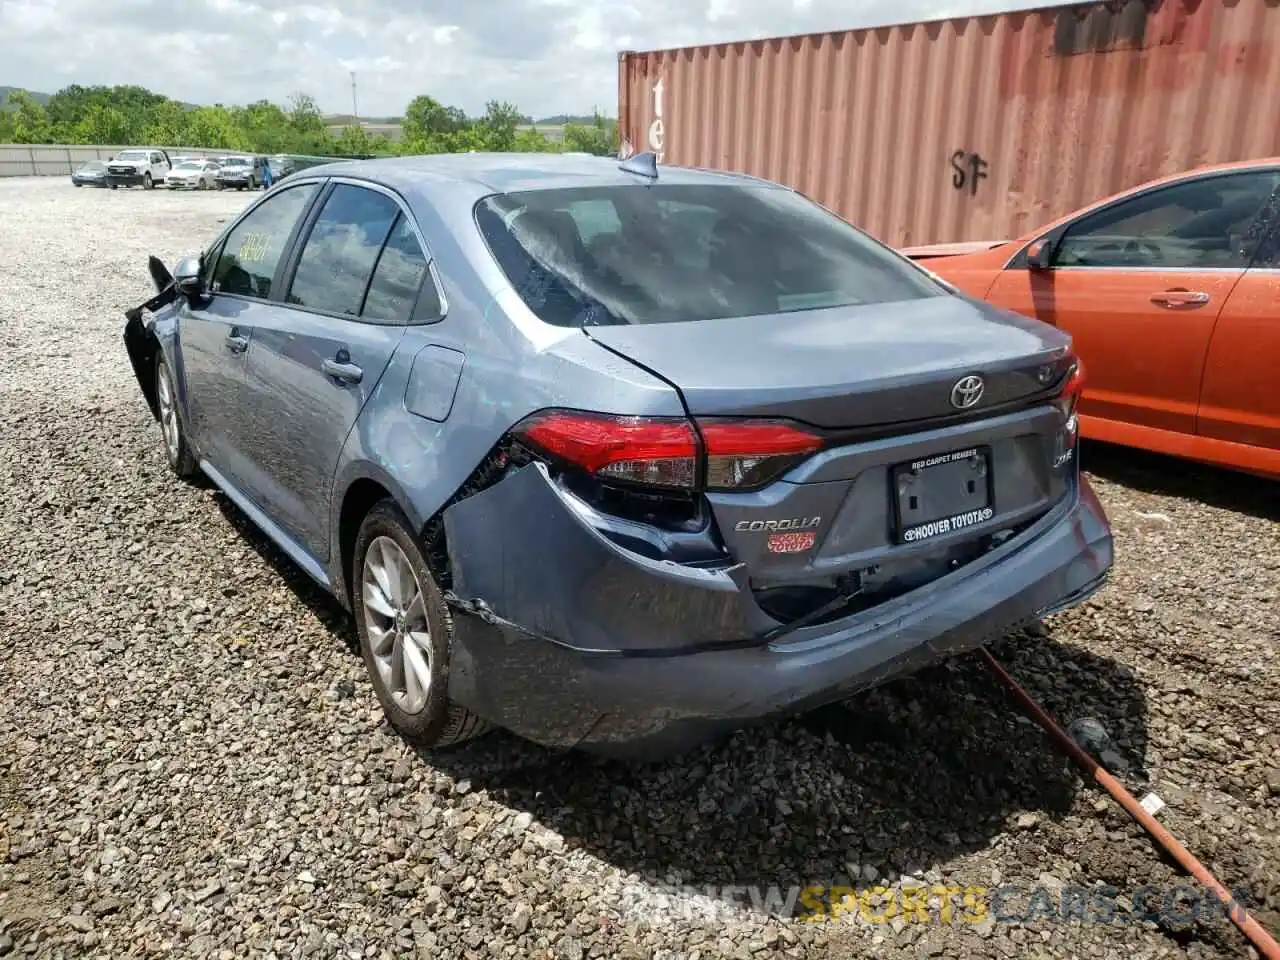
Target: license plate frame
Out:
[938,511]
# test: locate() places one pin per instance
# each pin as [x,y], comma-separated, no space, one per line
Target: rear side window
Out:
[254,246]
[680,252]
[342,250]
[401,268]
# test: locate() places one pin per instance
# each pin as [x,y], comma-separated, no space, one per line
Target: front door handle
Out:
[341,368]
[1180,298]
[235,342]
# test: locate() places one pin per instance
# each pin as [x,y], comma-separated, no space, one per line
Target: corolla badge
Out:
[967,392]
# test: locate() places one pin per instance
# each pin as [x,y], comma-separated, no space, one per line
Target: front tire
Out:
[177,450]
[147,184]
[405,632]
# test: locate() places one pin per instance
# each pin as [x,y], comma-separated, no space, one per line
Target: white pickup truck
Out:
[138,167]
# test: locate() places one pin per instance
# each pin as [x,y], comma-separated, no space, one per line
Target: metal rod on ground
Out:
[1258,936]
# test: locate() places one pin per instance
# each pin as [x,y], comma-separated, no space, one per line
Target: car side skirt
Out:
[1260,461]
[295,551]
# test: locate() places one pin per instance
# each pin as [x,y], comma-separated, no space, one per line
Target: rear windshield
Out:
[676,252]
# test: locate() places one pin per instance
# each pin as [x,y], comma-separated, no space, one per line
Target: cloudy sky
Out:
[547,56]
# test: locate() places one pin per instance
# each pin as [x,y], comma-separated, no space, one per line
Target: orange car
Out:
[1172,293]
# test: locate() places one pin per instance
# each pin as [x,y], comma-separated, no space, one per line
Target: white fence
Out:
[49,160]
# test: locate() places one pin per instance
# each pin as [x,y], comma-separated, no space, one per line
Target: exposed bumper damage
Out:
[138,340]
[618,654]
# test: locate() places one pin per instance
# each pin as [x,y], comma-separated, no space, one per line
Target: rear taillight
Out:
[670,452]
[1069,399]
[742,454]
[660,452]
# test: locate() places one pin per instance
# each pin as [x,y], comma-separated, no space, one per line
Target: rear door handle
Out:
[341,368]
[1176,299]
[235,342]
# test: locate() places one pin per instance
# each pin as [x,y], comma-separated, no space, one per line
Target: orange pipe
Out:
[1258,936]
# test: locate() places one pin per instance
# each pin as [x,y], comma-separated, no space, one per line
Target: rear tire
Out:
[177,450]
[406,633]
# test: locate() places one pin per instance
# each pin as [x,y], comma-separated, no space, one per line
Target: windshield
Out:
[132,155]
[92,165]
[190,165]
[235,162]
[679,252]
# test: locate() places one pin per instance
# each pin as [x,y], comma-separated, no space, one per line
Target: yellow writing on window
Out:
[255,247]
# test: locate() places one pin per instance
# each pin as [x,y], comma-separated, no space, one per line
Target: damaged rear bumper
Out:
[570,640]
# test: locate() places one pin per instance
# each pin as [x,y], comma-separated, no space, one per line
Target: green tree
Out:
[102,124]
[599,138]
[426,117]
[530,140]
[136,115]
[354,141]
[213,127]
[267,126]
[166,125]
[30,123]
[304,114]
[498,126]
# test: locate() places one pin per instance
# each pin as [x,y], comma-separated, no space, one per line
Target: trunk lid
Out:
[849,367]
[908,486]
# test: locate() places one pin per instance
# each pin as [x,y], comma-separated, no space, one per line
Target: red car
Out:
[1171,292]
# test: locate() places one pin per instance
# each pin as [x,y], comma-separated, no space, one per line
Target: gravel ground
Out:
[192,762]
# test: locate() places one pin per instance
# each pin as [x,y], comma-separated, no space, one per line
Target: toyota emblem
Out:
[967,392]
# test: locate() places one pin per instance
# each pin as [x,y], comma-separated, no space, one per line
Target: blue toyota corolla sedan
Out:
[617,455]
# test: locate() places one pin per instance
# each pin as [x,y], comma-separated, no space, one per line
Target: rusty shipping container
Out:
[977,128]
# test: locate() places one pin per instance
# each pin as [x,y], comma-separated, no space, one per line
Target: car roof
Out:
[487,173]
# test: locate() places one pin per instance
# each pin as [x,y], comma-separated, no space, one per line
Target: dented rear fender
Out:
[528,551]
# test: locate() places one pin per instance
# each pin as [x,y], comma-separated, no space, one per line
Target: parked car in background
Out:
[1169,293]
[138,168]
[678,451]
[194,175]
[240,173]
[91,174]
[281,167]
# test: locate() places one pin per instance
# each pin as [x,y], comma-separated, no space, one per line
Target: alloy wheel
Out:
[168,416]
[395,618]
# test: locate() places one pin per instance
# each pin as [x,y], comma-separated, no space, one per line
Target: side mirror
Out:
[187,278]
[1040,254]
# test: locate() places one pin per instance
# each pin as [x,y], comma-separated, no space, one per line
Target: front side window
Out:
[680,252]
[1207,223]
[255,245]
[342,250]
